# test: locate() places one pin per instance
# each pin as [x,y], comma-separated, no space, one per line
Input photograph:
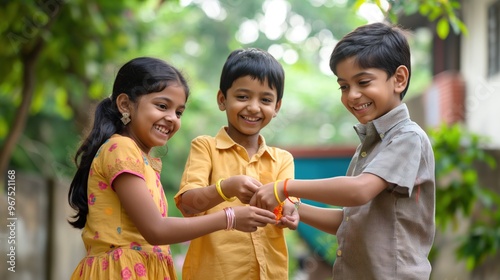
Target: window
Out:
[494,39]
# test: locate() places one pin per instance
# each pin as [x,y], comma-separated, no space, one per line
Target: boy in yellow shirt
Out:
[227,169]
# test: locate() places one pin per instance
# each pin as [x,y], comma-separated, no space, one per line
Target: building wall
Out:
[482,92]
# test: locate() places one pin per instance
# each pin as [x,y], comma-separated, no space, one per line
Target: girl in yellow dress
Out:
[116,191]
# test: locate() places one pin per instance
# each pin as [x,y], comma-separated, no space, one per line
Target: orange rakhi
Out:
[278,210]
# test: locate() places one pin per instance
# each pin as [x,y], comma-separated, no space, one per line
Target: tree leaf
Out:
[443,28]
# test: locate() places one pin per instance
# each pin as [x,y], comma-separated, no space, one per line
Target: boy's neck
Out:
[249,142]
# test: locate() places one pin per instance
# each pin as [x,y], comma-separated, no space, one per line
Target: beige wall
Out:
[483,93]
[38,245]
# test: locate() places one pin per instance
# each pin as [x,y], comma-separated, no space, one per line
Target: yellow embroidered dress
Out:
[115,248]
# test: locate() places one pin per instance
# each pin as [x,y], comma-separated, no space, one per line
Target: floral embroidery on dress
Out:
[90,261]
[157,249]
[170,260]
[146,161]
[102,185]
[119,230]
[117,254]
[126,273]
[135,246]
[163,206]
[91,199]
[113,147]
[140,269]
[96,235]
[105,264]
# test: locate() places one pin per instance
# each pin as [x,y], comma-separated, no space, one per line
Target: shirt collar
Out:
[384,123]
[224,141]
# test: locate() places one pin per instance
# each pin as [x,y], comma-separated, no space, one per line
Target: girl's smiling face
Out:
[368,93]
[156,117]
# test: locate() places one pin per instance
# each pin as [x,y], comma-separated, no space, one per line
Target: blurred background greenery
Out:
[60,59]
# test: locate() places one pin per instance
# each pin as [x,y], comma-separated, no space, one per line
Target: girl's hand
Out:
[249,218]
[241,186]
[290,217]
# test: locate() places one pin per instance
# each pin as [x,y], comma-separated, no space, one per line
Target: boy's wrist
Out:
[218,187]
[295,200]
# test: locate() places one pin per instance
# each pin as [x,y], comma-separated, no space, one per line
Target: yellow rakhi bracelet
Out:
[219,190]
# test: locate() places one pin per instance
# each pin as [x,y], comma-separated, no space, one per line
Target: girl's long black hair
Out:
[137,77]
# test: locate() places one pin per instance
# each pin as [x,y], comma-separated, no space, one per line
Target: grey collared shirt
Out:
[390,237]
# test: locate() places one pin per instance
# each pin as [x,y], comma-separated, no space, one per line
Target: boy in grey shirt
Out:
[386,227]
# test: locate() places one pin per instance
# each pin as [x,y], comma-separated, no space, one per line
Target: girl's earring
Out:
[125,118]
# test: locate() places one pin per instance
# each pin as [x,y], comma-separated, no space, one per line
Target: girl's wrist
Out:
[230,218]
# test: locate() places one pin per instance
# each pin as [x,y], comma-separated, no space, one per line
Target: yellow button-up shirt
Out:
[233,254]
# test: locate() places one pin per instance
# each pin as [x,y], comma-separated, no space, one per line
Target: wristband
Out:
[296,203]
[219,190]
[276,193]
[230,218]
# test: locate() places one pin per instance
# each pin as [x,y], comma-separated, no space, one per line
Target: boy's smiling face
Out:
[250,105]
[367,92]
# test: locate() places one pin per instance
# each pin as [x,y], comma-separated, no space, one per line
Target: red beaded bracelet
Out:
[296,203]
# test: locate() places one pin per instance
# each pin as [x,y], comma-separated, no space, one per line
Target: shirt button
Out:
[339,253]
[363,154]
[347,219]
[382,136]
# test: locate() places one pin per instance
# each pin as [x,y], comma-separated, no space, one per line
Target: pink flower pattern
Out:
[91,199]
[102,185]
[90,261]
[113,147]
[157,249]
[140,269]
[126,273]
[105,264]
[117,254]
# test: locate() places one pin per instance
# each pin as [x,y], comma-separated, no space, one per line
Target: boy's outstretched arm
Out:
[339,191]
[324,219]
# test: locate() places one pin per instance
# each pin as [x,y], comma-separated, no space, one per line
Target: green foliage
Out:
[458,192]
[444,12]
[86,41]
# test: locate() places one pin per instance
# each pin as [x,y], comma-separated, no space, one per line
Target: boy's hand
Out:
[264,197]
[290,217]
[241,186]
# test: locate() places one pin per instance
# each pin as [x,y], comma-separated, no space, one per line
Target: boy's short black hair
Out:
[256,63]
[376,45]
